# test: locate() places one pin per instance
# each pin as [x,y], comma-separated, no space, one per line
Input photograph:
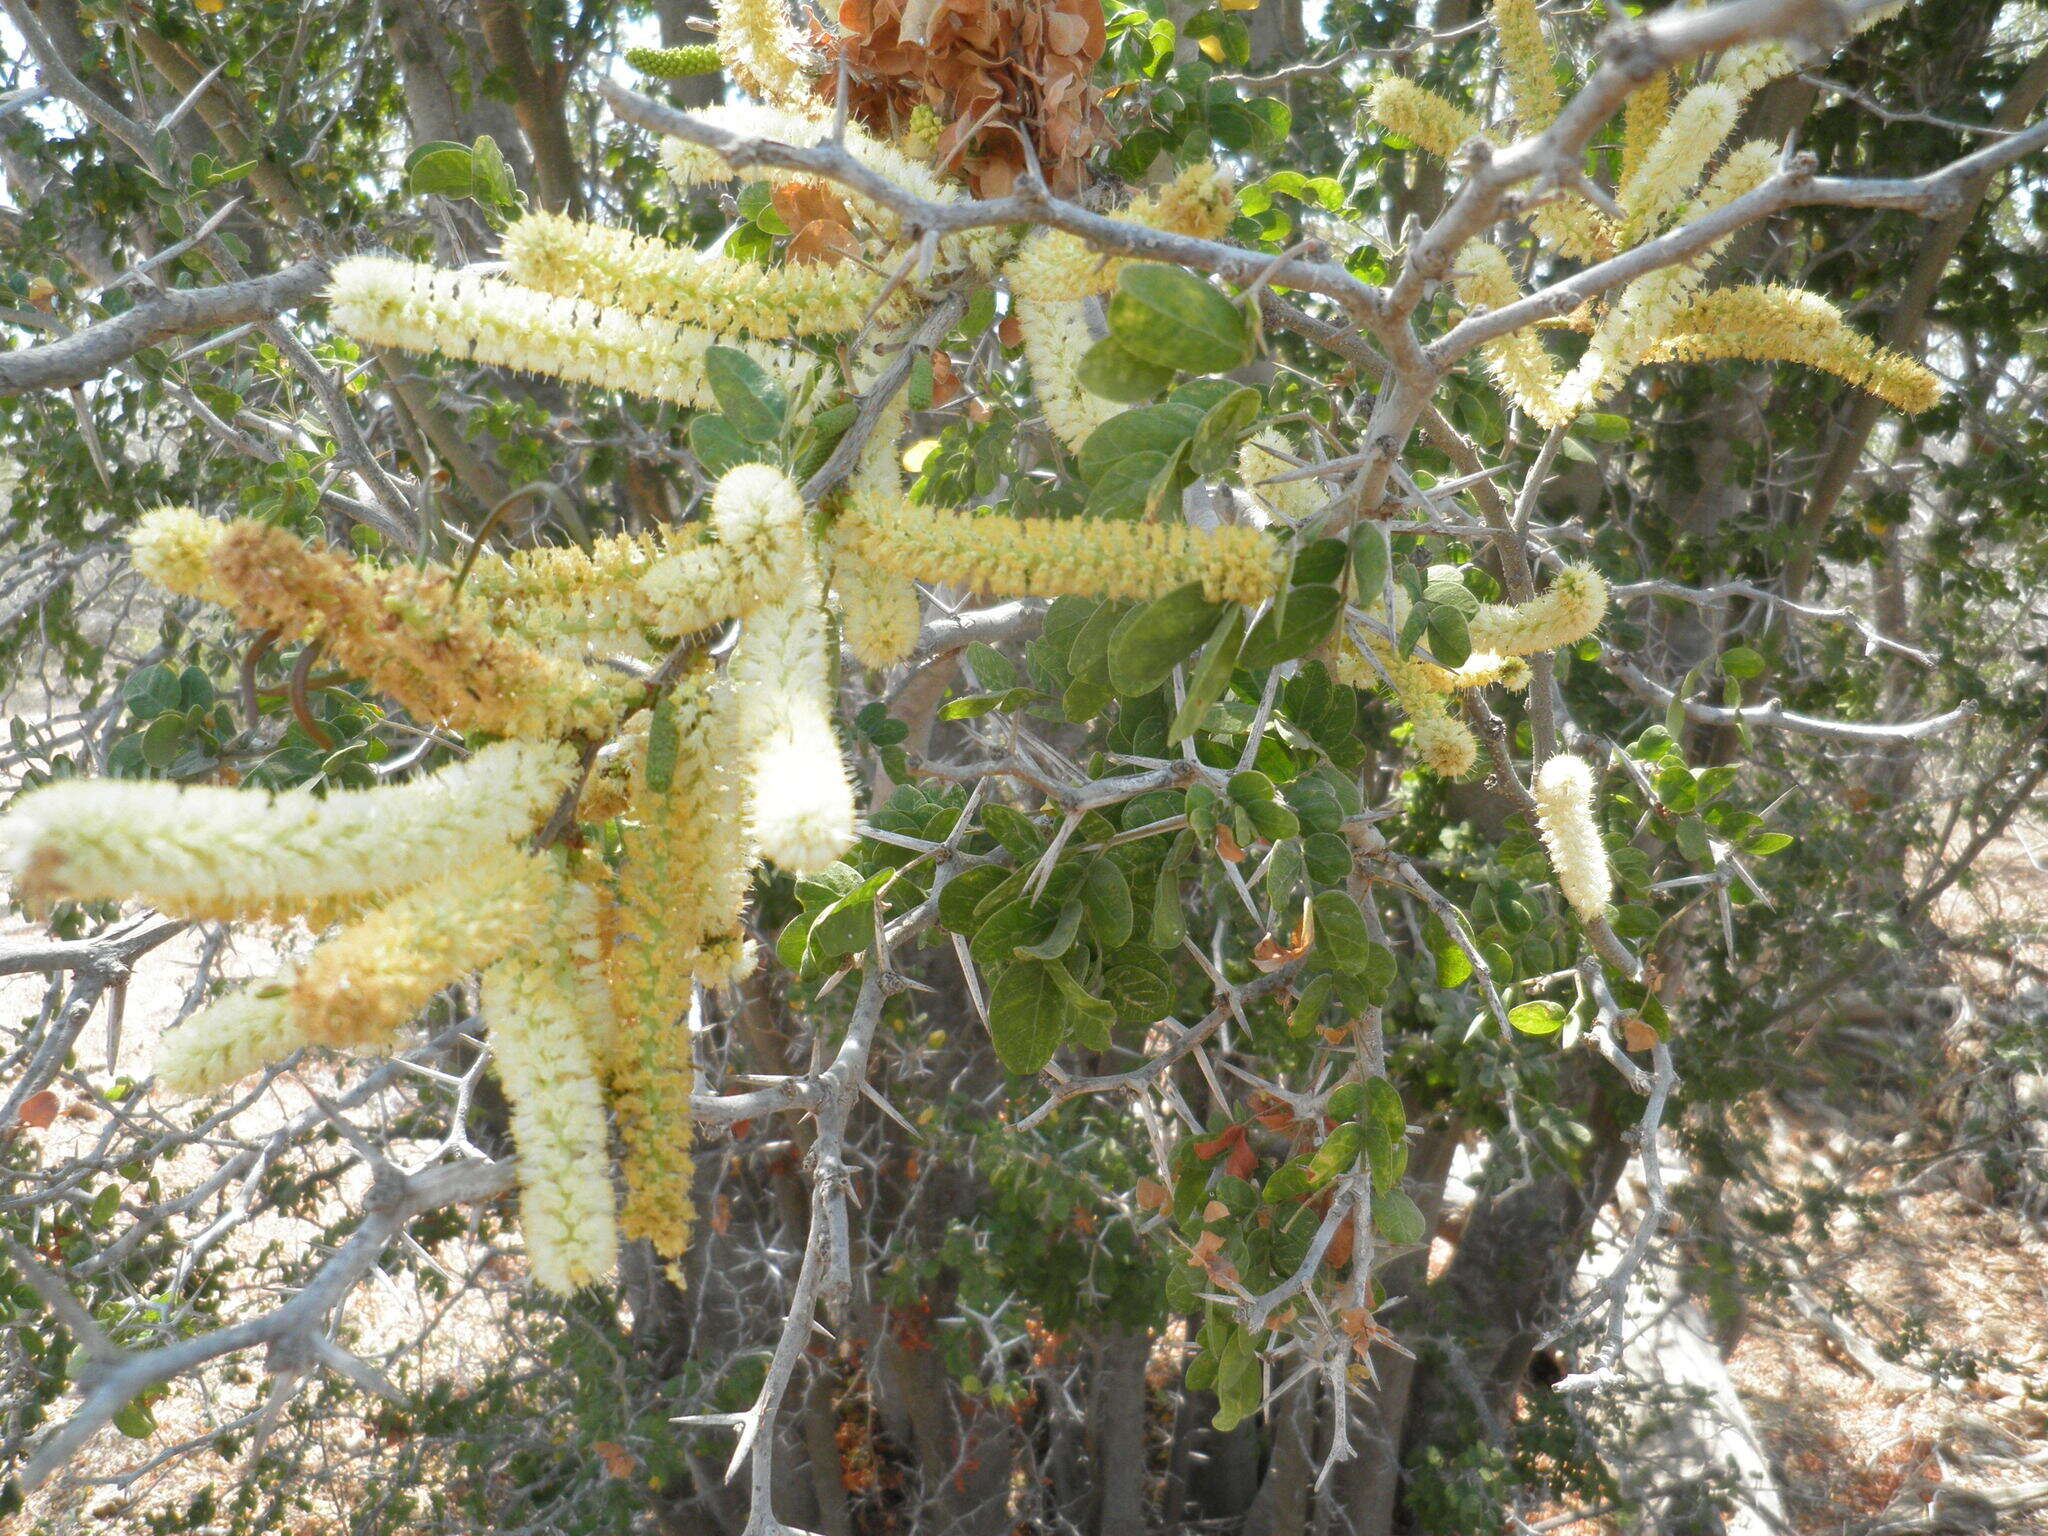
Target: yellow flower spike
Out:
[1052,557]
[236,1034]
[1531,70]
[879,612]
[1773,323]
[1564,613]
[172,546]
[370,979]
[801,800]
[1703,118]
[1056,338]
[404,632]
[1643,117]
[1422,117]
[756,555]
[480,319]
[683,878]
[633,273]
[181,847]
[763,54]
[1571,834]
[1520,366]
[1052,265]
[545,1007]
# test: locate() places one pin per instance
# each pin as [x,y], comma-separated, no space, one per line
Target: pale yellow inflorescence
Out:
[172,546]
[373,976]
[1053,265]
[1056,337]
[236,1034]
[1421,116]
[210,849]
[1564,613]
[1571,834]
[1777,324]
[549,1014]
[761,52]
[756,554]
[1525,55]
[625,271]
[424,309]
[1084,557]
[802,800]
[1671,170]
[1518,362]
[879,611]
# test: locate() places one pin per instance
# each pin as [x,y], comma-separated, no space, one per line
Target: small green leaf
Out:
[1113,373]
[1151,641]
[1398,1220]
[753,403]
[1211,677]
[1292,629]
[1539,1018]
[1767,843]
[441,169]
[1026,1016]
[1060,940]
[1222,429]
[1170,317]
[1106,897]
[1742,662]
[1449,642]
[664,740]
[717,446]
[1371,559]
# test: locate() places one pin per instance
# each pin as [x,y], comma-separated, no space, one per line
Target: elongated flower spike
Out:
[762,52]
[371,978]
[1418,114]
[480,319]
[756,554]
[1564,613]
[879,611]
[1571,834]
[801,800]
[1518,362]
[404,632]
[1770,323]
[236,1034]
[1699,123]
[642,276]
[549,1012]
[205,850]
[1056,337]
[1088,557]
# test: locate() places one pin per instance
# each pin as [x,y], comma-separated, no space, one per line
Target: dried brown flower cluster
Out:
[994,72]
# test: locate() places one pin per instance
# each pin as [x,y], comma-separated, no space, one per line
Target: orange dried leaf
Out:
[38,1110]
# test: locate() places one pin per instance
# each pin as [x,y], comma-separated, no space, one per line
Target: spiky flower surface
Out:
[1571,834]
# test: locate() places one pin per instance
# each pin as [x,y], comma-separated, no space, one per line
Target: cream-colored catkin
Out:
[548,1012]
[762,51]
[1564,613]
[1083,557]
[173,547]
[238,1033]
[802,800]
[625,271]
[217,851]
[1425,119]
[484,320]
[1571,834]
[879,611]
[1056,337]
[756,554]
[1643,117]
[1770,323]
[1052,265]
[1698,124]
[1526,57]
[372,977]
[685,857]
[1518,362]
